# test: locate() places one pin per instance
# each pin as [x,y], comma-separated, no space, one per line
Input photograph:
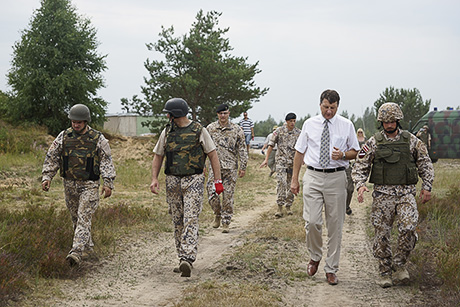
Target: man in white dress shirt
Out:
[326,144]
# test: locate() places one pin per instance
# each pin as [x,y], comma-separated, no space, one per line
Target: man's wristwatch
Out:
[344,155]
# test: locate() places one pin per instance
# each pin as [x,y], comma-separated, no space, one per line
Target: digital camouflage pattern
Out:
[394,202]
[284,196]
[80,160]
[82,199]
[284,160]
[389,112]
[81,196]
[285,140]
[231,145]
[444,131]
[386,209]
[231,149]
[183,151]
[223,209]
[185,198]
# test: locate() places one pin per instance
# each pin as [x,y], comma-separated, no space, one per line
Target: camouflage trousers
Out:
[385,210]
[82,200]
[350,186]
[271,160]
[283,190]
[224,208]
[184,195]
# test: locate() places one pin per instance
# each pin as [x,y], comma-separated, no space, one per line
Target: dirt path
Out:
[140,274]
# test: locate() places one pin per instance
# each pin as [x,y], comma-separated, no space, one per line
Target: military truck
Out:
[444,132]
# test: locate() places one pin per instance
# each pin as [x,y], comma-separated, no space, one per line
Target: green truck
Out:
[442,134]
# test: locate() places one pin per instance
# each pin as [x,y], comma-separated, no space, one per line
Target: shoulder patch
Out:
[363,151]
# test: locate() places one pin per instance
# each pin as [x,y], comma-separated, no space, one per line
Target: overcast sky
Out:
[357,47]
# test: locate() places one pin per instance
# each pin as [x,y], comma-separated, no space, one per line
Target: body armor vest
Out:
[183,150]
[80,159]
[393,161]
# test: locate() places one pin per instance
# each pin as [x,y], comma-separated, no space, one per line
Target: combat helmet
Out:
[389,112]
[177,107]
[79,112]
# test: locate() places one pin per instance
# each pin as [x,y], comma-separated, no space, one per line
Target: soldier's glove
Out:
[219,186]
[263,152]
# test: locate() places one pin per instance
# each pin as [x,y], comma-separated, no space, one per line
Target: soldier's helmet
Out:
[177,107]
[79,112]
[389,112]
[425,127]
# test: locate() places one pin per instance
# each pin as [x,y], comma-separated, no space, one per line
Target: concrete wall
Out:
[122,124]
[126,124]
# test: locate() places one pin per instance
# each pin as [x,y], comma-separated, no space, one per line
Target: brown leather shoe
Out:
[332,279]
[312,267]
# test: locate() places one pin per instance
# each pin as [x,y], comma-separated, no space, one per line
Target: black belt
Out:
[327,170]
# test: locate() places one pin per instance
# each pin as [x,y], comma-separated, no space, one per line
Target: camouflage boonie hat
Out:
[389,112]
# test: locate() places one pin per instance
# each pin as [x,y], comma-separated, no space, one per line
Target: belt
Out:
[327,170]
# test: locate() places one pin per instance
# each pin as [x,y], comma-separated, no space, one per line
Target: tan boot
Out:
[401,276]
[384,281]
[216,222]
[225,228]
[279,213]
[288,210]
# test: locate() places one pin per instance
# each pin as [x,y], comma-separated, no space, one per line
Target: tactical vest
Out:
[183,150]
[393,161]
[80,159]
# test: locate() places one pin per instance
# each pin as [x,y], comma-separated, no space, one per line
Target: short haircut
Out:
[331,96]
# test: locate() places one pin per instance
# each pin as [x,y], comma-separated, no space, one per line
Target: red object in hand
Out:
[219,186]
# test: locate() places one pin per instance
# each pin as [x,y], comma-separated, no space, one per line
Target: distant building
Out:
[127,124]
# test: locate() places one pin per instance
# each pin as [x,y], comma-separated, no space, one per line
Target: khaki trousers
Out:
[328,190]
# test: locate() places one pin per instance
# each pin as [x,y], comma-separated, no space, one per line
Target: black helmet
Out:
[79,112]
[177,107]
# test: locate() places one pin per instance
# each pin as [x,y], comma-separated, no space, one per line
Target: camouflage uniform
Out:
[81,195]
[394,201]
[231,147]
[285,140]
[184,193]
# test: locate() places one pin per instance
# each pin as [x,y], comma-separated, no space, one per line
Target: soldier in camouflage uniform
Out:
[392,158]
[285,138]
[185,144]
[231,147]
[83,156]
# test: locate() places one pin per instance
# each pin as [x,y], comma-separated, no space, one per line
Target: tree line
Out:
[56,65]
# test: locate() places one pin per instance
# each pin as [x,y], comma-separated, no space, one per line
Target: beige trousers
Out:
[328,190]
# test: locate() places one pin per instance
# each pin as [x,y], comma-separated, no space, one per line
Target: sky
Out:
[357,47]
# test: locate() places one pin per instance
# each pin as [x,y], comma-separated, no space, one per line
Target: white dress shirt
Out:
[342,135]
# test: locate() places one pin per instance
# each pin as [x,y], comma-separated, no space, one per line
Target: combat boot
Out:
[73,259]
[400,276]
[185,269]
[216,223]
[384,281]
[225,228]
[288,210]
[279,213]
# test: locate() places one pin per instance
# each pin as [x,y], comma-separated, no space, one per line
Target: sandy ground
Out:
[141,274]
